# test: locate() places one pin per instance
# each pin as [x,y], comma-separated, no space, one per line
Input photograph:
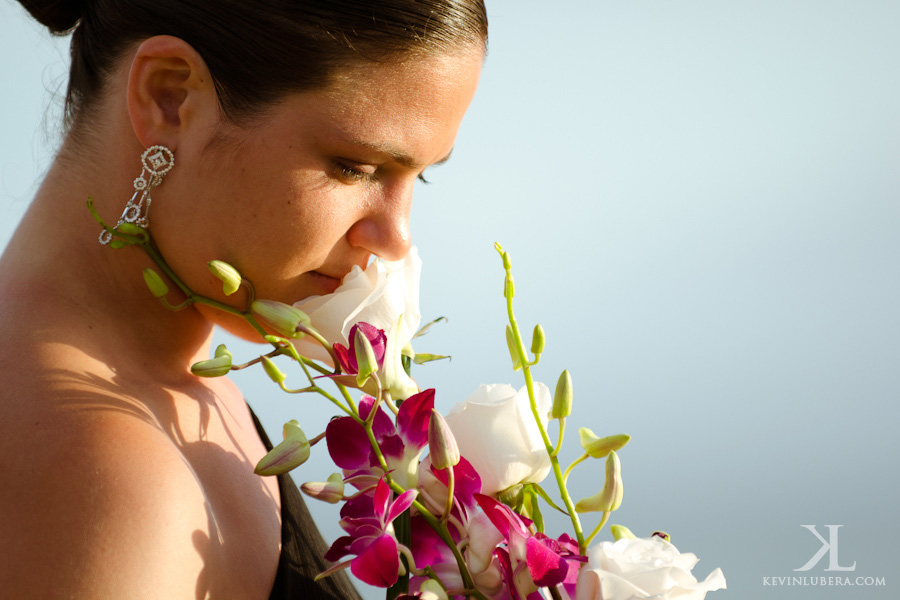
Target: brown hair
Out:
[256,50]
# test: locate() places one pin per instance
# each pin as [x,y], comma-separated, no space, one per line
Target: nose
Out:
[384,229]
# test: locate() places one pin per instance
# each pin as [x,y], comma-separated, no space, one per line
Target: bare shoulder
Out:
[97,502]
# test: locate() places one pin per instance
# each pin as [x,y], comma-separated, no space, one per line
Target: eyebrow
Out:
[399,155]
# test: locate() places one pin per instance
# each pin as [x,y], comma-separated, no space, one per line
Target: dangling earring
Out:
[156,162]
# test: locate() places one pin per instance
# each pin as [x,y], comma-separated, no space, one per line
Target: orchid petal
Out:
[545,566]
[399,505]
[348,443]
[427,546]
[381,425]
[376,337]
[346,359]
[392,448]
[413,416]
[503,517]
[339,549]
[382,497]
[379,564]
[483,540]
[466,482]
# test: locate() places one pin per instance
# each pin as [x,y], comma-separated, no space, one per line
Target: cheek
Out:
[270,218]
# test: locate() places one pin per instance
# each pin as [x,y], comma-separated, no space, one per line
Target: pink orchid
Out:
[387,351]
[531,560]
[347,356]
[367,520]
[401,445]
[466,523]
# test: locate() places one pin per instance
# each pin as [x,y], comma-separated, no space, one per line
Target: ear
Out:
[170,92]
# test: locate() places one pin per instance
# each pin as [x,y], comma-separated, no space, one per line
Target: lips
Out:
[326,283]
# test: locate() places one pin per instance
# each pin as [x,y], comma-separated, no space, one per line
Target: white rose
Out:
[379,296]
[634,569]
[496,432]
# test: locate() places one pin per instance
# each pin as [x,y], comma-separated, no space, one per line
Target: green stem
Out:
[256,360]
[529,383]
[305,390]
[597,529]
[562,433]
[578,460]
[337,403]
[439,527]
[444,533]
[154,254]
[176,307]
[450,485]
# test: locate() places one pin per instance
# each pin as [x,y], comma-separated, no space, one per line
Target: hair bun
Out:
[59,16]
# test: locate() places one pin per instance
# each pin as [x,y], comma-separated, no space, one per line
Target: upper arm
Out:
[102,506]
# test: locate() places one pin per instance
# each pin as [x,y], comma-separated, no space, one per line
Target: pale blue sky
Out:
[701,202]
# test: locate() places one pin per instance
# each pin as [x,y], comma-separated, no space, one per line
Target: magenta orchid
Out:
[400,444]
[347,356]
[457,539]
[387,350]
[531,560]
[367,520]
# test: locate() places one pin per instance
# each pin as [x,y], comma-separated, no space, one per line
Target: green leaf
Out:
[547,498]
[421,358]
[428,326]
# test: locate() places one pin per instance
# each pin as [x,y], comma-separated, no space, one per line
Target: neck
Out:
[55,261]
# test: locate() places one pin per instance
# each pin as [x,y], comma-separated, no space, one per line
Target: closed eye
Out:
[350,175]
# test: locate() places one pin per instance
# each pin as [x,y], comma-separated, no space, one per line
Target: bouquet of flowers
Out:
[433,506]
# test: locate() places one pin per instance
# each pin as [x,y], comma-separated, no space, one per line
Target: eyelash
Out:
[351,175]
[355,175]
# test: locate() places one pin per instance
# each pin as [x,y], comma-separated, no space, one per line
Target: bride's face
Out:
[319,183]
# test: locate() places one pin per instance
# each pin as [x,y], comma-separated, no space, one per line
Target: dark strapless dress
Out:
[302,548]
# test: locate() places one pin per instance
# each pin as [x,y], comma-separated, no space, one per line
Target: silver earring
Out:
[156,162]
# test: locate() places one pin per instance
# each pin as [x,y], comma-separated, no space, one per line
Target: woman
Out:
[283,137]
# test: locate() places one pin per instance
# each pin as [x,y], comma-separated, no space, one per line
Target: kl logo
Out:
[829,547]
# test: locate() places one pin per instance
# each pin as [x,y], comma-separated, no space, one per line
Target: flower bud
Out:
[276,339]
[287,455]
[119,243]
[222,350]
[513,497]
[507,263]
[331,491]
[432,590]
[366,361]
[562,397]
[599,447]
[132,229]
[612,488]
[228,275]
[620,532]
[214,367]
[441,443]
[610,497]
[662,535]
[509,287]
[513,351]
[284,318]
[272,370]
[157,286]
[537,340]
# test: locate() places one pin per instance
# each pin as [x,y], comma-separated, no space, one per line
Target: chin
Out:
[233,324]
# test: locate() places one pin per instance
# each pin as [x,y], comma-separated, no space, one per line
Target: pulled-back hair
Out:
[256,50]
